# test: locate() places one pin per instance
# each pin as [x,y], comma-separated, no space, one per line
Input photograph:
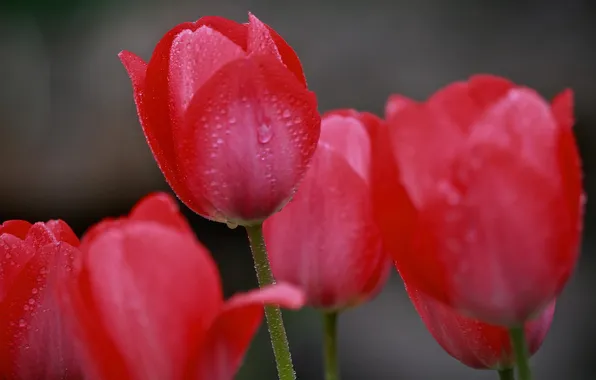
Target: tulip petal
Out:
[562,108]
[18,228]
[154,293]
[160,208]
[348,137]
[424,143]
[521,122]
[231,333]
[235,32]
[569,160]
[476,344]
[36,344]
[395,104]
[262,39]
[195,56]
[247,152]
[392,207]
[488,89]
[259,39]
[477,239]
[342,259]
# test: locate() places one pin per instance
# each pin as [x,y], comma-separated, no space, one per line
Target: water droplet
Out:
[232,120]
[31,301]
[26,307]
[231,225]
[22,323]
[264,133]
[34,290]
[273,98]
[286,114]
[219,141]
[451,194]
[218,126]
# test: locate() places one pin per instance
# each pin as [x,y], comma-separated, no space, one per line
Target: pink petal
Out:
[395,104]
[161,208]
[496,223]
[521,122]
[342,260]
[236,32]
[262,39]
[476,344]
[232,332]
[251,129]
[153,107]
[195,56]
[152,291]
[424,142]
[36,344]
[348,137]
[259,39]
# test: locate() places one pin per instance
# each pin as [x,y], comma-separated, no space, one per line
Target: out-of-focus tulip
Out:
[227,114]
[35,343]
[325,240]
[492,174]
[146,302]
[474,343]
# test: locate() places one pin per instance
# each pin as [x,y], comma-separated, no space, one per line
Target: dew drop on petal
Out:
[264,133]
[451,194]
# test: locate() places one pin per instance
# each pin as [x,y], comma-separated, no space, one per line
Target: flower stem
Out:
[520,349]
[277,331]
[506,374]
[330,338]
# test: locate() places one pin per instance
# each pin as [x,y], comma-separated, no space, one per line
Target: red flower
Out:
[492,218]
[325,240]
[147,302]
[34,342]
[476,344]
[228,116]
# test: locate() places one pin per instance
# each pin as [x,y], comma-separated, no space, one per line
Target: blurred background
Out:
[71,145]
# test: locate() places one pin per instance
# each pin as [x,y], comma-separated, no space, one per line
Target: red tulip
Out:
[325,240]
[34,342]
[227,115]
[147,302]
[491,221]
[476,344]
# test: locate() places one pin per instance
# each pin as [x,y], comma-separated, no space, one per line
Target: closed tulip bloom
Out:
[492,174]
[325,240]
[228,116]
[146,302]
[474,343]
[35,343]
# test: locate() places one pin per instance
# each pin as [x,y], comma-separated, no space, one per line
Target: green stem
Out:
[277,331]
[506,374]
[330,338]
[520,350]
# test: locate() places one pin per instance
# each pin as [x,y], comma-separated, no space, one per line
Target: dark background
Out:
[71,146]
